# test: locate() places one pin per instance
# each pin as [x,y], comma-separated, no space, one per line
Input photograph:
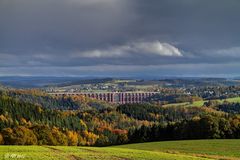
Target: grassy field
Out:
[169,150]
[85,153]
[201,103]
[216,149]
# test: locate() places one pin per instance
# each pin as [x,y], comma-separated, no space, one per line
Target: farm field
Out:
[216,149]
[85,153]
[168,150]
[201,103]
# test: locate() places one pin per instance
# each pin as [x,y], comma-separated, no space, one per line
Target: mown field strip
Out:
[86,153]
[217,149]
[167,150]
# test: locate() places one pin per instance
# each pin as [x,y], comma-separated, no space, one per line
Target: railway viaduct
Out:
[113,97]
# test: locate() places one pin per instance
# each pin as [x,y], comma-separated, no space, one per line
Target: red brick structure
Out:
[114,97]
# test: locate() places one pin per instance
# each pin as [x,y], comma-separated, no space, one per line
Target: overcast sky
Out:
[151,38]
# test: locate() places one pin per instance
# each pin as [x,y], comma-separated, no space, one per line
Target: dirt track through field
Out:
[58,151]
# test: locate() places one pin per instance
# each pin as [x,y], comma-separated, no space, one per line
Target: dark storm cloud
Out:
[86,34]
[61,24]
[197,23]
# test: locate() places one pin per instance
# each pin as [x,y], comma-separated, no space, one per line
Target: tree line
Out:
[95,123]
[206,127]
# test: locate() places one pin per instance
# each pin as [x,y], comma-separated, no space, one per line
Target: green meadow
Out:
[201,103]
[215,149]
[167,150]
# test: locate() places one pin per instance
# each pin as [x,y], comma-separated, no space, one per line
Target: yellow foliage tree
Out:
[1,139]
[90,137]
[72,138]
[61,139]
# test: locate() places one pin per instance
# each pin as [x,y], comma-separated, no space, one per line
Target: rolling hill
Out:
[168,150]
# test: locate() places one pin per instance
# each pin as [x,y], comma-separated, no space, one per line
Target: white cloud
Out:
[133,48]
[225,52]
[163,49]
[234,51]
